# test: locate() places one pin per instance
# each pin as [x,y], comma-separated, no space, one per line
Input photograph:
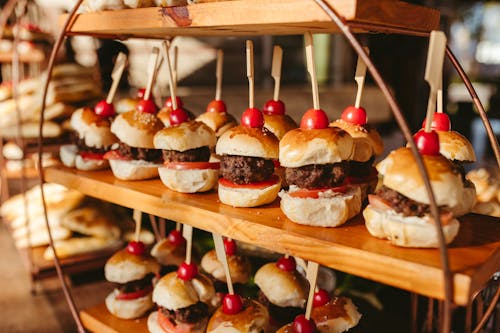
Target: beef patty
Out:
[361,169]
[401,204]
[201,154]
[317,175]
[136,285]
[134,153]
[191,314]
[246,169]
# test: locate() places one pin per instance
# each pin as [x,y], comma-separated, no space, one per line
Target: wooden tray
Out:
[98,319]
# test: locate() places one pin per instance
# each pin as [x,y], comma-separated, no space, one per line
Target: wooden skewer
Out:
[178,226]
[221,255]
[116,75]
[311,68]
[176,58]
[166,56]
[434,72]
[137,215]
[154,226]
[359,77]
[187,233]
[218,75]
[312,277]
[251,101]
[151,71]
[157,70]
[276,70]
[162,227]
[440,96]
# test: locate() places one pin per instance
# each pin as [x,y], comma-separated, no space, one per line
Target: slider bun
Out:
[253,319]
[465,205]
[168,254]
[239,266]
[408,231]
[126,104]
[282,288]
[247,197]
[136,129]
[124,267]
[188,135]
[219,122]
[401,174]
[328,211]
[454,146]
[93,129]
[246,141]
[133,170]
[154,326]
[301,147]
[128,309]
[367,141]
[69,157]
[279,124]
[164,115]
[12,151]
[189,181]
[334,322]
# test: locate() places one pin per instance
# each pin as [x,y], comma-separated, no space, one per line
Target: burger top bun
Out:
[219,122]
[279,124]
[126,104]
[92,128]
[401,174]
[282,288]
[168,254]
[173,293]
[367,141]
[247,141]
[239,267]
[188,135]
[124,267]
[454,146]
[136,129]
[253,319]
[301,147]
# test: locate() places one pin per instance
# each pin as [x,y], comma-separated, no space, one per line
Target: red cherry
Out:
[175,238]
[314,119]
[355,115]
[321,297]
[216,106]
[273,107]
[427,143]
[232,304]
[286,264]
[147,106]
[178,116]
[302,325]
[137,248]
[252,117]
[441,122]
[168,102]
[104,109]
[230,247]
[187,271]
[141,92]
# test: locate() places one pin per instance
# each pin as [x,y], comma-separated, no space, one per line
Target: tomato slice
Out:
[135,294]
[378,203]
[192,165]
[115,155]
[168,326]
[271,181]
[91,156]
[314,193]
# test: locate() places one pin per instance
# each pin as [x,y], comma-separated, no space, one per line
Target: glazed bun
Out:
[367,141]
[279,124]
[188,135]
[164,115]
[246,141]
[124,267]
[93,129]
[69,157]
[168,254]
[330,210]
[189,181]
[301,147]
[253,319]
[400,173]
[247,197]
[454,146]
[219,122]
[328,320]
[128,309]
[136,129]
[282,288]
[239,267]
[133,170]
[126,104]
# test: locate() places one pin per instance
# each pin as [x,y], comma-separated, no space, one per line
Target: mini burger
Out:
[400,210]
[333,314]
[136,157]
[133,271]
[164,113]
[92,139]
[248,154]
[183,300]
[276,120]
[170,251]
[283,290]
[186,147]
[217,118]
[316,160]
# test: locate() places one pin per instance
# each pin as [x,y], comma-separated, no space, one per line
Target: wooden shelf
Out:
[474,255]
[99,319]
[34,56]
[256,17]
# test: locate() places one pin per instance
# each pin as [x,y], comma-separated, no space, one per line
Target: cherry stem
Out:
[138,220]
[166,55]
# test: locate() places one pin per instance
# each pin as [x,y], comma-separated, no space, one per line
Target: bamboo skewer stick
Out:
[187,233]
[221,255]
[137,215]
[116,75]
[151,72]
[166,56]
[312,277]
[311,68]
[218,75]
[176,58]
[359,77]
[250,74]
[276,70]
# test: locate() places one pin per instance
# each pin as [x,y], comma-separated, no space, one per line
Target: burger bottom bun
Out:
[324,211]
[67,154]
[189,181]
[70,158]
[406,231]
[246,197]
[465,205]
[128,309]
[154,327]
[341,323]
[133,170]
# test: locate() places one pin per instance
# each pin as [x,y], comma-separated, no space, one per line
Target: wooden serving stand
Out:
[99,319]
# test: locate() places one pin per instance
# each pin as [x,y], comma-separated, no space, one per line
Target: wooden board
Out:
[474,255]
[256,17]
[99,319]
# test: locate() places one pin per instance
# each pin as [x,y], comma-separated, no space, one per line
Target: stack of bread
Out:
[487,191]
